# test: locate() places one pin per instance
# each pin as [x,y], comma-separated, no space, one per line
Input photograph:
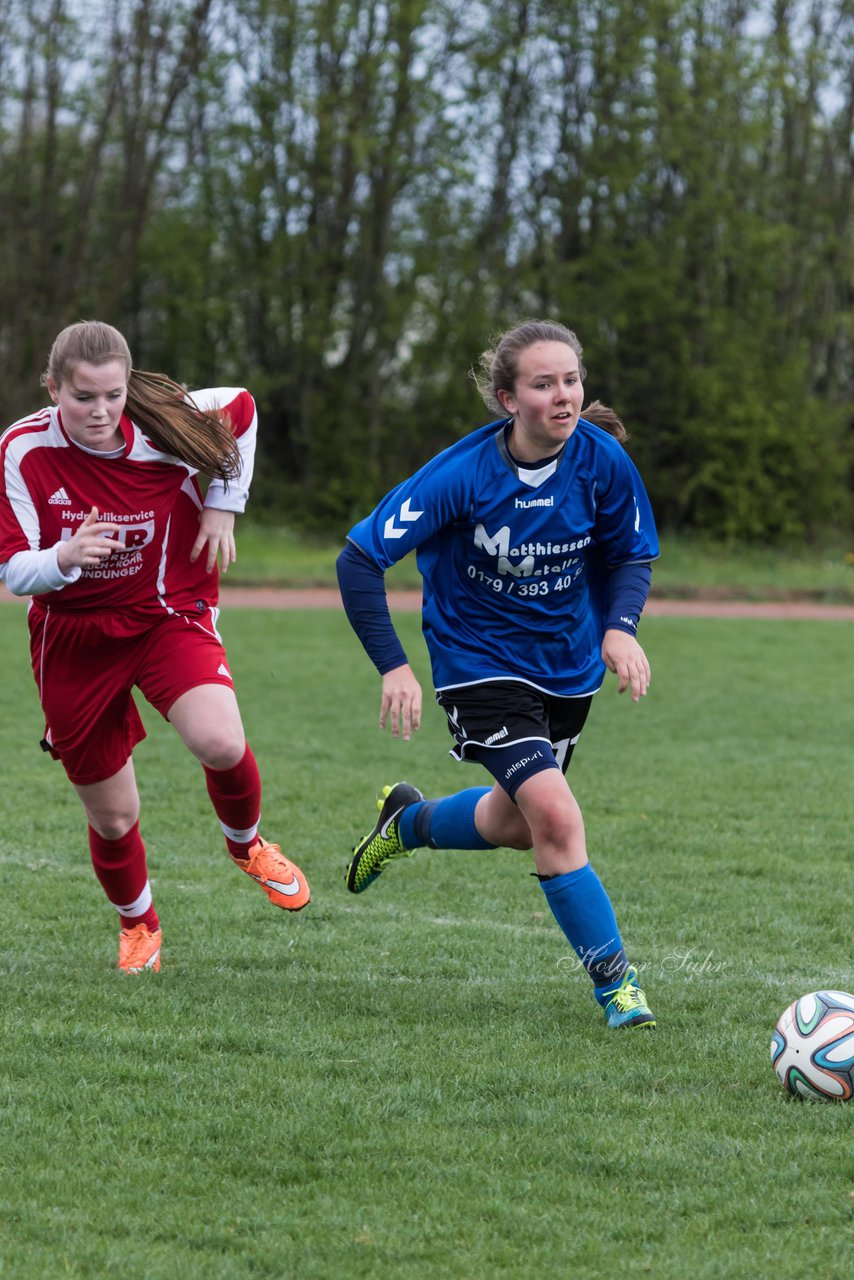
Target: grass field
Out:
[415,1084]
[272,555]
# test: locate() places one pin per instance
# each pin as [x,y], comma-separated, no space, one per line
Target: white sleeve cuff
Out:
[28,573]
[233,498]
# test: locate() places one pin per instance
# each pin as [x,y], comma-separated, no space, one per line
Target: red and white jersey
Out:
[48,485]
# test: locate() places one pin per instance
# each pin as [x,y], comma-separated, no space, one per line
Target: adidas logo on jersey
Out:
[59,499]
[222,670]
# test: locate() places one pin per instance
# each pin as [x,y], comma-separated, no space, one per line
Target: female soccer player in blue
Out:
[534,538]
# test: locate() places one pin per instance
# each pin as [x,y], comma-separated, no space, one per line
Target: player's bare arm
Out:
[622,654]
[90,544]
[216,533]
[401,702]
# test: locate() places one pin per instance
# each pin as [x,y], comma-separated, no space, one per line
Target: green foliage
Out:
[339,204]
[755,479]
[414,1083]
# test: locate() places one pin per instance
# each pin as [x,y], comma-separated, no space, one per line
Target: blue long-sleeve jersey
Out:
[515,560]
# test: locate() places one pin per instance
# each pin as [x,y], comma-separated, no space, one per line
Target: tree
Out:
[339,201]
[90,102]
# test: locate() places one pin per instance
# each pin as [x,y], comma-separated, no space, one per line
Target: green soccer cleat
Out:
[382,845]
[625,1005]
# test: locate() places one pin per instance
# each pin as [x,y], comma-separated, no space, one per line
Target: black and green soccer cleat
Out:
[382,845]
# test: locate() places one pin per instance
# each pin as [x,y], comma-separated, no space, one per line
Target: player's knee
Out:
[557,824]
[112,824]
[220,748]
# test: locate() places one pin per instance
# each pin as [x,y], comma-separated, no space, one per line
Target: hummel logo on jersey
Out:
[523,504]
[390,529]
[222,670]
[59,499]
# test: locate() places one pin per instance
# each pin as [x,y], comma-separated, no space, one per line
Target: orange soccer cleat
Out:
[139,949]
[282,881]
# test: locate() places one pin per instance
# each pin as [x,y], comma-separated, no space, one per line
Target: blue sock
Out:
[583,910]
[444,824]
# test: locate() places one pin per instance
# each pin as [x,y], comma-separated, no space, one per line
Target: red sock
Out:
[121,868]
[236,797]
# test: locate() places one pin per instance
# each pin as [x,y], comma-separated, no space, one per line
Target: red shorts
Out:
[86,665]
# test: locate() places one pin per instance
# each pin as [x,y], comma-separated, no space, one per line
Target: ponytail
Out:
[601,416]
[168,417]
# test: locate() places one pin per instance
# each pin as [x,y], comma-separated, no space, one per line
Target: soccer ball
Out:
[812,1049]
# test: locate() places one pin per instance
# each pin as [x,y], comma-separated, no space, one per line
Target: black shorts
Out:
[513,729]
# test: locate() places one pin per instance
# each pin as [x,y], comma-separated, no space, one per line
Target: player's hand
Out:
[401,702]
[622,654]
[90,544]
[216,533]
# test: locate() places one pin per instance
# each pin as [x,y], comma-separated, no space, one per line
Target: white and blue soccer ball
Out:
[812,1048]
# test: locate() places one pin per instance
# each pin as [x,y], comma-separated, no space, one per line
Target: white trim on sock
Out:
[139,906]
[247,835]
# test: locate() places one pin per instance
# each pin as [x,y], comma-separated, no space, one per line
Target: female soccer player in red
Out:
[103,524]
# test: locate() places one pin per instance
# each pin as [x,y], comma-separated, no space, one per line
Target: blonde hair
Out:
[158,406]
[498,369]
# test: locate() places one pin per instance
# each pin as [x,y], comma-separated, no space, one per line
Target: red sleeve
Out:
[16,505]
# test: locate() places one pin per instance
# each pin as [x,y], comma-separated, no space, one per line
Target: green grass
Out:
[271,555]
[695,566]
[416,1084]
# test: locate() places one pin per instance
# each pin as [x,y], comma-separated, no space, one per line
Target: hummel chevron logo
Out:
[391,530]
[59,499]
[222,670]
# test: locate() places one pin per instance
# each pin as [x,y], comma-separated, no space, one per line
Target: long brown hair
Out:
[499,368]
[602,416]
[160,407]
